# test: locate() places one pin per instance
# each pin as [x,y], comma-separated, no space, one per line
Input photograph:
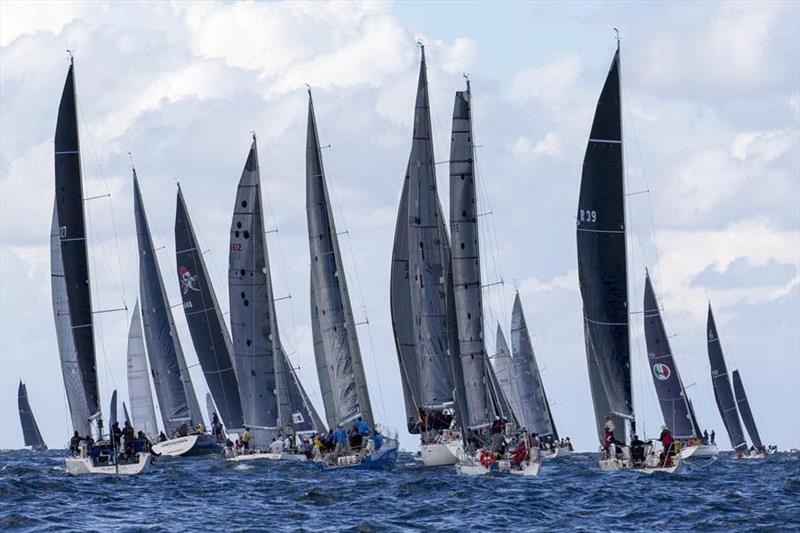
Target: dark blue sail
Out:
[744,410]
[30,429]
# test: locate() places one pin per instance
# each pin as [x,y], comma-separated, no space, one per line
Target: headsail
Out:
[504,370]
[210,409]
[336,347]
[602,262]
[176,396]
[142,409]
[723,393]
[112,417]
[254,326]
[534,410]
[744,410]
[125,413]
[672,396]
[30,429]
[72,303]
[210,337]
[480,410]
[304,416]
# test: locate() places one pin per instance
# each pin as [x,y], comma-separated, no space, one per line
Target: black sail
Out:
[207,327]
[744,410]
[112,417]
[671,393]
[72,236]
[125,413]
[30,429]
[723,393]
[602,261]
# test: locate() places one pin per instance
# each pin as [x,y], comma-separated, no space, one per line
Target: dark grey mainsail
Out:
[672,396]
[504,371]
[723,393]
[142,409]
[602,262]
[534,410]
[72,303]
[176,396]
[210,337]
[30,429]
[427,248]
[336,348]
[125,413]
[254,325]
[744,410]
[465,260]
[112,417]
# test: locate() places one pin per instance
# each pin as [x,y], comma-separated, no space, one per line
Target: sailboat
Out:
[142,407]
[729,404]
[173,385]
[535,413]
[478,401]
[72,301]
[30,429]
[673,398]
[340,368]
[603,278]
[418,297]
[759,450]
[274,402]
[210,337]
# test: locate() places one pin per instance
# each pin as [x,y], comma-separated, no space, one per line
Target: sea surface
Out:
[209,493]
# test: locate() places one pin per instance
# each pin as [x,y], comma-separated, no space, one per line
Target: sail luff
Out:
[331,299]
[74,264]
[723,393]
[173,385]
[30,429]
[672,396]
[141,397]
[602,261]
[252,312]
[744,410]
[209,333]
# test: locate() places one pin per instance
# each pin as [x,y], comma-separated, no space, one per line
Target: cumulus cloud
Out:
[549,145]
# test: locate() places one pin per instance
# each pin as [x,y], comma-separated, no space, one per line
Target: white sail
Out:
[142,408]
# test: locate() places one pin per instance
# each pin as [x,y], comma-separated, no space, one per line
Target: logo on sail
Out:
[188,280]
[297,418]
[662,371]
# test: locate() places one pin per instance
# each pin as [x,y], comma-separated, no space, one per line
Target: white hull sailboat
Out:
[474,466]
[265,456]
[440,453]
[651,465]
[77,466]
[188,446]
[700,451]
[558,453]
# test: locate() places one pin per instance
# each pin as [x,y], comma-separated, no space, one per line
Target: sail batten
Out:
[209,333]
[336,346]
[30,429]
[142,407]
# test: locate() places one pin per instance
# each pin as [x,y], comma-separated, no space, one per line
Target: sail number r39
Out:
[587,215]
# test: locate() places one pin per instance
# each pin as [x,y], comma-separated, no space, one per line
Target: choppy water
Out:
[209,493]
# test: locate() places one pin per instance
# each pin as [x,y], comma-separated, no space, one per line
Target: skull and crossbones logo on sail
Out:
[188,280]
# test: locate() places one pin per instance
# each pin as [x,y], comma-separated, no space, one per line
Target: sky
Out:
[711,126]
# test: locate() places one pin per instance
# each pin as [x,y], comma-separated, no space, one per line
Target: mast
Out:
[336,349]
[30,429]
[602,262]
[744,410]
[176,396]
[72,303]
[723,393]
[142,409]
[254,327]
[209,333]
[534,410]
[672,396]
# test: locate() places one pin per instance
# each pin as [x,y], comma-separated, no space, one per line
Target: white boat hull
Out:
[78,466]
[439,454]
[471,466]
[268,456]
[558,453]
[754,456]
[700,451]
[188,446]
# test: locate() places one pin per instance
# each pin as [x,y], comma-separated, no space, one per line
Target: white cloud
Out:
[549,83]
[550,145]
[25,18]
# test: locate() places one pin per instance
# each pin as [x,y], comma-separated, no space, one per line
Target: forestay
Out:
[142,409]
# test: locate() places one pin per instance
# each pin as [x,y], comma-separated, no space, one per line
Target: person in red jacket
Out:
[667,442]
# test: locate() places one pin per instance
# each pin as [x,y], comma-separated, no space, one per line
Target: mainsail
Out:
[176,397]
[254,325]
[723,393]
[112,417]
[744,410]
[504,370]
[479,410]
[534,410]
[210,337]
[30,429]
[72,303]
[672,396]
[602,262]
[419,288]
[144,415]
[339,364]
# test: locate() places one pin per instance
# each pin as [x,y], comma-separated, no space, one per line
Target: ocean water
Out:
[209,493]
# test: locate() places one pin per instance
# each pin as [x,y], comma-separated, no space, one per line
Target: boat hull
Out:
[700,451]
[383,459]
[471,467]
[269,456]
[558,453]
[439,454]
[613,465]
[78,466]
[189,446]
